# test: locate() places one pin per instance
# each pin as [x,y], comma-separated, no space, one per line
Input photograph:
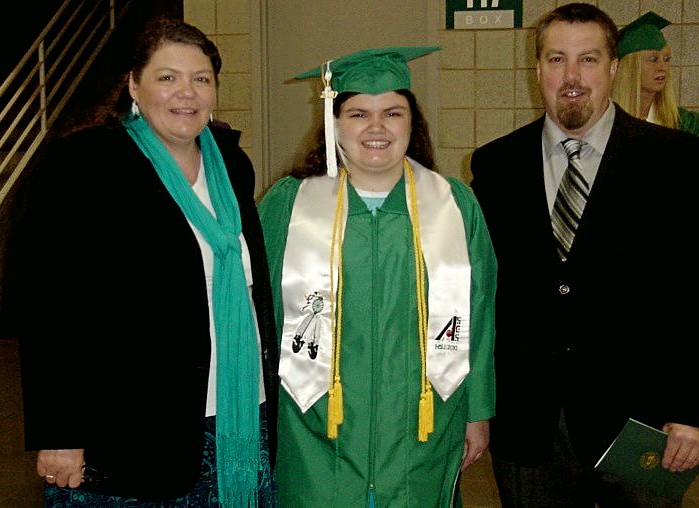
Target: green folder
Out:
[635,459]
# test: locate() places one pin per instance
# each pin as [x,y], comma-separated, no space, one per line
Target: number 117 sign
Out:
[483,14]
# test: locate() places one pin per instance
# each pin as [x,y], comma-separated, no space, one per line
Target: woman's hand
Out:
[477,439]
[62,467]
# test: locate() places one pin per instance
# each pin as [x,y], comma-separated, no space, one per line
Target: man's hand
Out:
[682,448]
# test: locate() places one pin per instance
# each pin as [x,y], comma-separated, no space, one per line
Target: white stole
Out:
[306,346]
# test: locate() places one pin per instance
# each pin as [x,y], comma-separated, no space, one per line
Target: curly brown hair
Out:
[419,148]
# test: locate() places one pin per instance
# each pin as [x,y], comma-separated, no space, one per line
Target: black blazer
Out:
[114,324]
[609,334]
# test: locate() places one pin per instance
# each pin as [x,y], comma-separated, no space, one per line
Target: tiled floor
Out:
[478,488]
[20,487]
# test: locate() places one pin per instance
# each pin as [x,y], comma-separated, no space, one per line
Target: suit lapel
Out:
[608,190]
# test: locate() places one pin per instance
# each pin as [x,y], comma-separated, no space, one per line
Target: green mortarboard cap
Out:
[371,71]
[643,33]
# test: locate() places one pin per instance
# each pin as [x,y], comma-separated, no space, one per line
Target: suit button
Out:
[564,289]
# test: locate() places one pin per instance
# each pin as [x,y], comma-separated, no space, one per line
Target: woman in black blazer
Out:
[145,324]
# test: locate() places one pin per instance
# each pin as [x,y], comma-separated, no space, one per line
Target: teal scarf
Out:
[237,368]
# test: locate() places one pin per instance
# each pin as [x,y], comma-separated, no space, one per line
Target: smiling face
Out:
[374,132]
[176,92]
[655,66]
[575,74]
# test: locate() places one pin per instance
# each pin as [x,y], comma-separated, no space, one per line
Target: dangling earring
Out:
[211,117]
[135,111]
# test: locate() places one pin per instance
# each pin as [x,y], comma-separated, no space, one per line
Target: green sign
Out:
[483,14]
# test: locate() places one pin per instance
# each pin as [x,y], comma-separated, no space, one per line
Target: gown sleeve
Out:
[275,208]
[481,378]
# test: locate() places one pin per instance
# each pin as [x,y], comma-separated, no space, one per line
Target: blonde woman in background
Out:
[643,83]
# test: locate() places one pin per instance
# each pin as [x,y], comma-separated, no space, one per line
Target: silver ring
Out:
[49,476]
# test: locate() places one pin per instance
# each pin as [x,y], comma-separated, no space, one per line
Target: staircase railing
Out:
[38,88]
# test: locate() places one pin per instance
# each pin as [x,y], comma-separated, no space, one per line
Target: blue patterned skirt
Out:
[204,494]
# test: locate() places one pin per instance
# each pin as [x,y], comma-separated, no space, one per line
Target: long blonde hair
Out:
[626,91]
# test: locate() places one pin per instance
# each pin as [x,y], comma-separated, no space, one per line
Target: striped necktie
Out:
[570,200]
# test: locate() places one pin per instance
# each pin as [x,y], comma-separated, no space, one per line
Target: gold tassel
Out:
[425,415]
[425,425]
[339,412]
[332,431]
[332,417]
[430,410]
[335,411]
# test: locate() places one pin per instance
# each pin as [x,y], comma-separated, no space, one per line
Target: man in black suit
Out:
[593,335]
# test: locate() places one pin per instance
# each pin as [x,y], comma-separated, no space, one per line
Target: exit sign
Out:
[483,14]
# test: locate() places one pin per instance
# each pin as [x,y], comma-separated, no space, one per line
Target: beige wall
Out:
[486,82]
[227,23]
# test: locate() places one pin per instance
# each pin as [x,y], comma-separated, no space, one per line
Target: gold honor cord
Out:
[335,410]
[426,404]
[425,424]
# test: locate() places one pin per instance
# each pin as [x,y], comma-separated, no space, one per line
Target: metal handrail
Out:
[42,82]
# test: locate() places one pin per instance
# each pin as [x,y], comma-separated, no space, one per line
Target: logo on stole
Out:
[450,335]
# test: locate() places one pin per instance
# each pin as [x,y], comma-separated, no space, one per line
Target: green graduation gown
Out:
[689,121]
[377,455]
